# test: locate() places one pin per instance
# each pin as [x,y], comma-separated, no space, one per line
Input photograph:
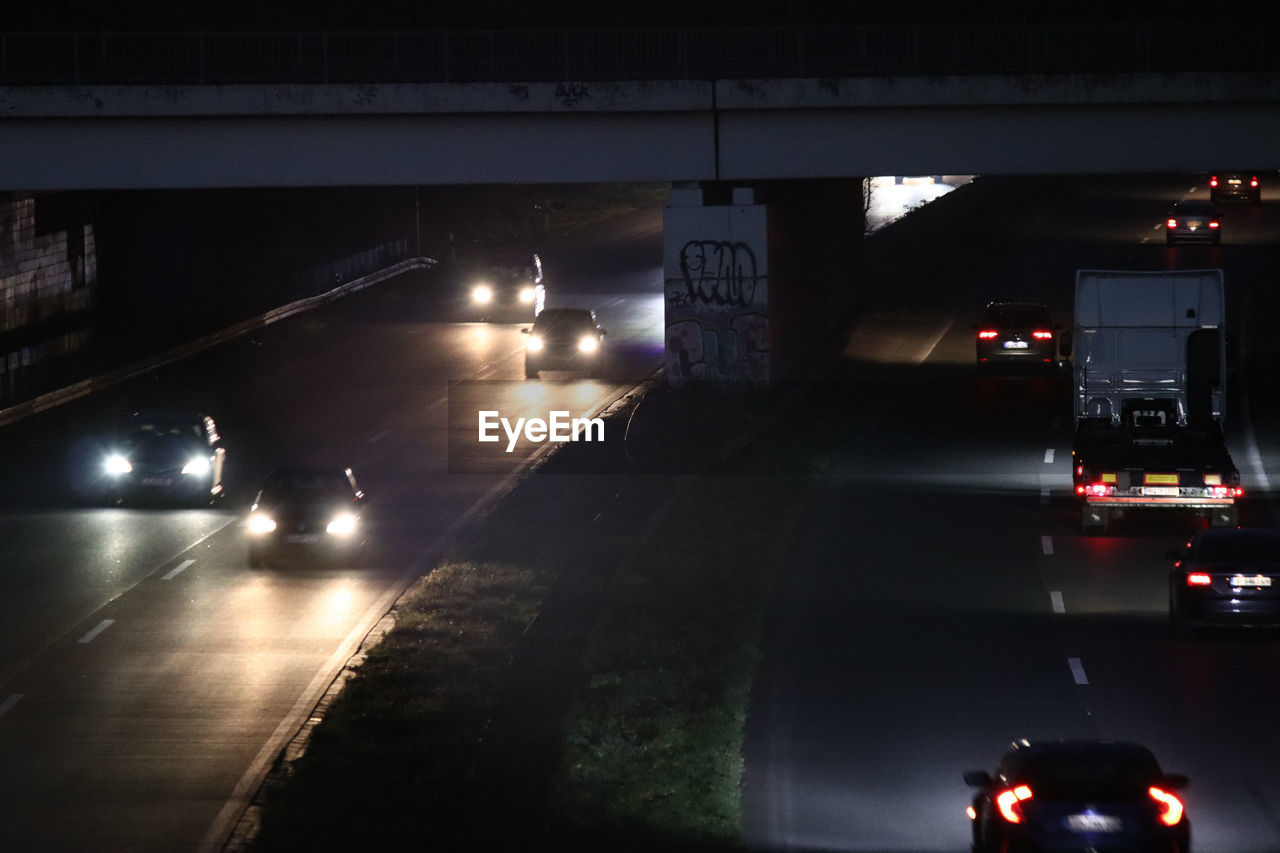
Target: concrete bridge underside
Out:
[131,137]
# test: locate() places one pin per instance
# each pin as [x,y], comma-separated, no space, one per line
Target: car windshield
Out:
[157,428]
[1240,549]
[307,487]
[1016,315]
[1091,775]
[550,323]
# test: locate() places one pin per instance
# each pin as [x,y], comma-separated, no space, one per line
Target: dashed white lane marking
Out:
[1077,671]
[7,705]
[1055,600]
[1048,456]
[96,630]
[1044,497]
[1046,544]
[176,570]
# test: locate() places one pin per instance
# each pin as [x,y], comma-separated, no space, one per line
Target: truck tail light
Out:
[1220,491]
[1101,490]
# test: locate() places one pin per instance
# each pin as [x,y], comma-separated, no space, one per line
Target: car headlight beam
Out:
[197,466]
[527,294]
[588,344]
[116,465]
[342,524]
[261,523]
[482,293]
[534,344]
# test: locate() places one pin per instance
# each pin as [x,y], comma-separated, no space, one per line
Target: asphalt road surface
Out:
[147,676]
[942,600]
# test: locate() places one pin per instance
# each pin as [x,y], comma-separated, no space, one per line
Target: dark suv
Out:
[1235,186]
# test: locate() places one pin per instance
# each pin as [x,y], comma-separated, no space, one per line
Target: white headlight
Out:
[588,344]
[260,523]
[343,524]
[534,344]
[482,293]
[197,466]
[115,465]
[526,295]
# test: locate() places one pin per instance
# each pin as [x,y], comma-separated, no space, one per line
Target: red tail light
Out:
[1101,490]
[1009,802]
[1170,806]
[1041,335]
[1253,182]
[987,334]
[1199,579]
[1213,223]
[1172,223]
[1213,182]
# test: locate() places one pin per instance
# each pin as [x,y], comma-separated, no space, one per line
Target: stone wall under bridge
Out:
[757,279]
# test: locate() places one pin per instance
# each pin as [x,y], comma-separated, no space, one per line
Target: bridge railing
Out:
[632,54]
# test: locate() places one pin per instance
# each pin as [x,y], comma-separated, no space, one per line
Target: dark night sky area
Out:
[231,15]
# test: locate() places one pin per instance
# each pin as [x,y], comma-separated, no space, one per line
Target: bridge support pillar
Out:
[757,279]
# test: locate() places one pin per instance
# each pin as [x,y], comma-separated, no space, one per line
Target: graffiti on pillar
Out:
[718,272]
[717,325]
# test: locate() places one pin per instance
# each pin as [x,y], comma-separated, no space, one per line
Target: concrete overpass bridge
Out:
[731,112]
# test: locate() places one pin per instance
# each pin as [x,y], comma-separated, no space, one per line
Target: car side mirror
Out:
[977,779]
[524,331]
[1176,781]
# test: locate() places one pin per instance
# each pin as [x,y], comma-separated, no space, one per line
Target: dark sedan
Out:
[1016,333]
[1063,795]
[308,513]
[564,339]
[165,457]
[1193,222]
[1225,576]
[1235,186]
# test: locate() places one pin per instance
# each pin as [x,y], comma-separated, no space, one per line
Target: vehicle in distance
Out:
[1016,333]
[505,285]
[564,339]
[165,456]
[311,512]
[1193,221]
[1060,795]
[1235,186]
[1225,576]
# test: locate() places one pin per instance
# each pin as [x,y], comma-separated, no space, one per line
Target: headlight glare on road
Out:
[482,293]
[261,523]
[197,466]
[343,524]
[527,294]
[588,344]
[116,465]
[534,344]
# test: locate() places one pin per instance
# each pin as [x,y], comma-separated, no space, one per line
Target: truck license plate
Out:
[1247,580]
[1093,823]
[1160,491]
[1015,344]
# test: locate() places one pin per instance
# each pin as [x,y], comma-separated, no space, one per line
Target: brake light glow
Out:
[1219,491]
[1171,223]
[1253,182]
[1213,223]
[1041,335]
[1213,182]
[1199,579]
[1100,490]
[1171,806]
[987,334]
[1008,800]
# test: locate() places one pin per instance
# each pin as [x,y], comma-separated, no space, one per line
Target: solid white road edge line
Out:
[1077,671]
[249,783]
[96,630]
[7,705]
[177,570]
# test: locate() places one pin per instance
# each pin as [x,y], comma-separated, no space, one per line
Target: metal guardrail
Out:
[208,58]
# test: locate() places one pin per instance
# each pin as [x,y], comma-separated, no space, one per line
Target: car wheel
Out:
[530,374]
